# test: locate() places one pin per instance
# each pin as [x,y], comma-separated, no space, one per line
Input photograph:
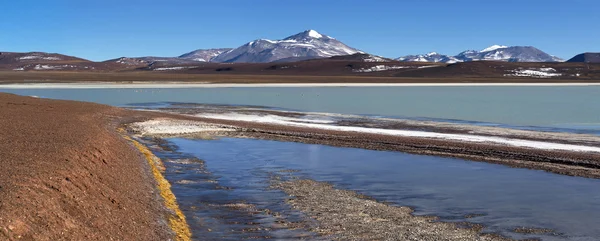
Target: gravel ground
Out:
[347,215]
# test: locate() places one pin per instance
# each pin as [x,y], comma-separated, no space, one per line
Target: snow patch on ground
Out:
[428,66]
[175,127]
[380,68]
[45,67]
[407,133]
[30,57]
[171,68]
[534,73]
[54,67]
[129,61]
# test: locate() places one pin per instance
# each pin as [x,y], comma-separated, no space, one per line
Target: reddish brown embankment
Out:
[66,174]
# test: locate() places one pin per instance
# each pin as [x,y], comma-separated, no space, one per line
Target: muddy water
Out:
[499,197]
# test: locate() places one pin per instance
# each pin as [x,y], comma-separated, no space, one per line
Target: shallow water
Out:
[450,188]
[565,107]
[218,209]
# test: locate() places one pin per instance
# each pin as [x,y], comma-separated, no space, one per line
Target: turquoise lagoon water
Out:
[569,107]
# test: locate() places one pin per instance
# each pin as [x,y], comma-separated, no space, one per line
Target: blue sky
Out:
[100,30]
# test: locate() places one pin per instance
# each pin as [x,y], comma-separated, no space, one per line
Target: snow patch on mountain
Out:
[493,47]
[314,34]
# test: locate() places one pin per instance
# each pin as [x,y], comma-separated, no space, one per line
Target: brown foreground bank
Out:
[66,174]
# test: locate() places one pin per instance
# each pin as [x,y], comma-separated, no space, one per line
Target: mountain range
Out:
[305,45]
[311,44]
[492,53]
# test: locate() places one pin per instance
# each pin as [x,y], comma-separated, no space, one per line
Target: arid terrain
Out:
[42,67]
[68,175]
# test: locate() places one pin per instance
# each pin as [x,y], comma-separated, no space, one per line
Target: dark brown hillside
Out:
[592,58]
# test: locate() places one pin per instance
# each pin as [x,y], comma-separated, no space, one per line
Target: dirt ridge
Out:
[66,174]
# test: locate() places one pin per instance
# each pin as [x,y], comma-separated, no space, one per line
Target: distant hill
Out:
[586,58]
[42,61]
[37,57]
[150,60]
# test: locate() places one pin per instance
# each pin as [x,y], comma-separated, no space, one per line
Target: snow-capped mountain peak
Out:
[308,44]
[307,35]
[493,47]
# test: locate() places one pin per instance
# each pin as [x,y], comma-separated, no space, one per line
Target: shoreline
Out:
[451,133]
[151,85]
[572,163]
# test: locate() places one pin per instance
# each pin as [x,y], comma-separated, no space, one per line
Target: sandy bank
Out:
[68,175]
